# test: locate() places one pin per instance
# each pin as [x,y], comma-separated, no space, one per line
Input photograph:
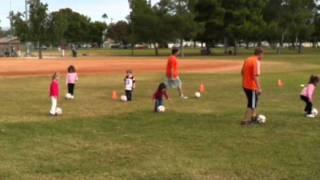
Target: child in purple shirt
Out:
[307,95]
[159,95]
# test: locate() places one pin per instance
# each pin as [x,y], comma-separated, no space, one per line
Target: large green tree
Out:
[152,25]
[210,14]
[119,32]
[38,24]
[185,26]
[96,32]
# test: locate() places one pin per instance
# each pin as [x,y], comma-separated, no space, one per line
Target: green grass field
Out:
[97,138]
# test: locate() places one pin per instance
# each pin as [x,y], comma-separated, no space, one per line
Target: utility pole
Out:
[132,26]
[10,34]
[27,44]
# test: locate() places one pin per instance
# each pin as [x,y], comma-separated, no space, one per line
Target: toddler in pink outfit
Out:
[307,95]
[71,80]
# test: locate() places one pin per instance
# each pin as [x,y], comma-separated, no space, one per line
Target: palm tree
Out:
[105,16]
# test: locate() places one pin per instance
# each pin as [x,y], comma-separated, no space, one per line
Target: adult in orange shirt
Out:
[173,73]
[251,85]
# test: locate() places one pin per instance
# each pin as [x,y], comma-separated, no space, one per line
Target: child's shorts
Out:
[252,98]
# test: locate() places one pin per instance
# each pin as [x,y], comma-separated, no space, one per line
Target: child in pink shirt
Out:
[71,80]
[307,95]
[54,94]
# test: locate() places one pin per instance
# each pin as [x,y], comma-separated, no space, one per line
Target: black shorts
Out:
[252,97]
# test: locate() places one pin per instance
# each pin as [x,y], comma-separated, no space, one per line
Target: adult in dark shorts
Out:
[173,73]
[251,72]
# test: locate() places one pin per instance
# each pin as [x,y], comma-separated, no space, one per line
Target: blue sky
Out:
[116,9]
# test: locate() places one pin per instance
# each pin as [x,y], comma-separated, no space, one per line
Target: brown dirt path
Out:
[110,65]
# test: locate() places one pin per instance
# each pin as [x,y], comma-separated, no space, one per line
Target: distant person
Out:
[251,85]
[63,50]
[54,94]
[74,50]
[71,80]
[130,84]
[173,73]
[159,96]
[307,95]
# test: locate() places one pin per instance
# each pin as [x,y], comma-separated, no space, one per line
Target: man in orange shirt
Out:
[173,73]
[251,85]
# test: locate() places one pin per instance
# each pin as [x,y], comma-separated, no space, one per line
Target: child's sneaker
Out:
[310,116]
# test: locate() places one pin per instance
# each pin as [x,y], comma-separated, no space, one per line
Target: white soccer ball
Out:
[262,119]
[59,111]
[69,96]
[161,109]
[123,98]
[315,112]
[197,95]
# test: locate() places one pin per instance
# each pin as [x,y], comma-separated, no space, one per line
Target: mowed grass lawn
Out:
[98,138]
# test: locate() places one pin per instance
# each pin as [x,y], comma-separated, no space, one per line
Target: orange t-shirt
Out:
[173,67]
[251,69]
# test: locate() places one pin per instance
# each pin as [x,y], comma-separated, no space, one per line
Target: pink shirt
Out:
[72,78]
[309,91]
[54,89]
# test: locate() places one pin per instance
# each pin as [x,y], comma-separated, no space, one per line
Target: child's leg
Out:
[54,103]
[72,89]
[129,95]
[158,103]
[309,107]
[69,88]
[156,106]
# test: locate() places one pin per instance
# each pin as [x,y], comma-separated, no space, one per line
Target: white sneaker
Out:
[184,97]
[310,116]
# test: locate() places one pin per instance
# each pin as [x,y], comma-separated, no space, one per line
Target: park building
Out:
[9,46]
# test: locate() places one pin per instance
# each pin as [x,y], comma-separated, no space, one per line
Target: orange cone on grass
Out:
[114,95]
[202,88]
[280,83]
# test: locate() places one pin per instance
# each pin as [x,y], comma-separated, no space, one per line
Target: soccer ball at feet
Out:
[261,119]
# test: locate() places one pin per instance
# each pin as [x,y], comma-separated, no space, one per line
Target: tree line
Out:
[211,22]
[58,28]
[228,22]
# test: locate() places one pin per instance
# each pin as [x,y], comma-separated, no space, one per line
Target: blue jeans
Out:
[159,102]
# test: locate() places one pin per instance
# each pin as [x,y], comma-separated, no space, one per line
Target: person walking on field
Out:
[251,72]
[173,73]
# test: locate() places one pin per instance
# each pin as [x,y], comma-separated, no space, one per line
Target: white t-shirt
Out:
[129,83]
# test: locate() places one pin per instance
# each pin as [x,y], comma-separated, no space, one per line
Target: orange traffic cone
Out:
[114,95]
[202,88]
[280,83]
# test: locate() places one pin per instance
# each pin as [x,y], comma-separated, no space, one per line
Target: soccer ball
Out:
[161,109]
[69,96]
[262,119]
[123,98]
[315,112]
[59,111]
[197,94]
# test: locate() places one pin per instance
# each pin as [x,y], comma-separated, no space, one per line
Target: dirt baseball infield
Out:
[110,65]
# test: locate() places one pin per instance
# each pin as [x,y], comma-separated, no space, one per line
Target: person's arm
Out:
[166,95]
[134,82]
[257,80]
